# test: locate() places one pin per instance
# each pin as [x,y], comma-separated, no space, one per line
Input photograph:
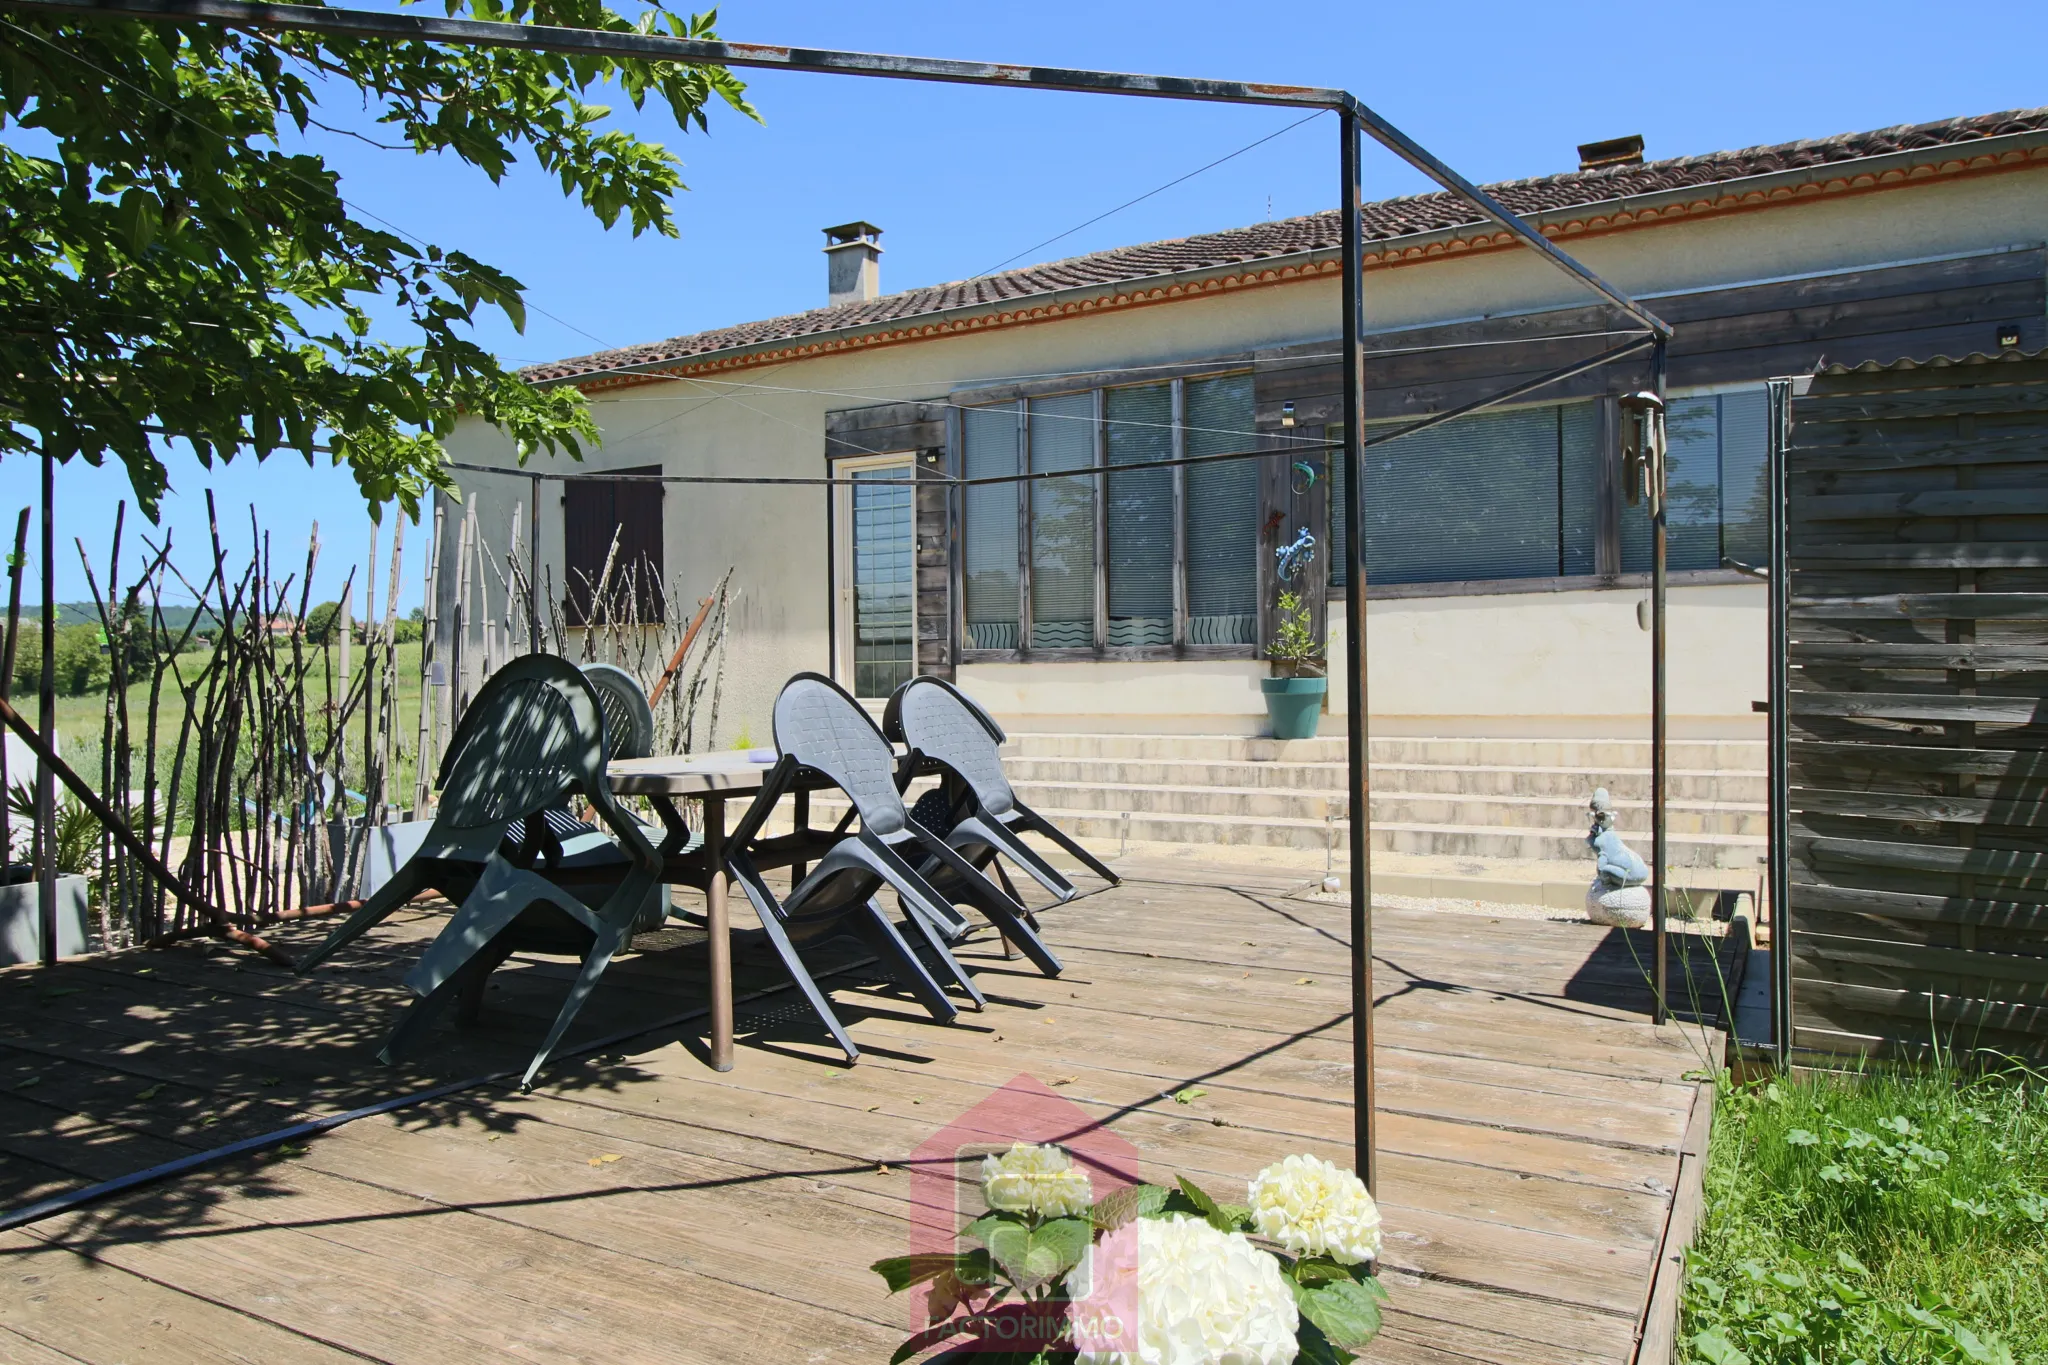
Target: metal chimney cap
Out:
[856,233]
[1615,151]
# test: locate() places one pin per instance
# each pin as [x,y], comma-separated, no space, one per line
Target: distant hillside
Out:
[86,614]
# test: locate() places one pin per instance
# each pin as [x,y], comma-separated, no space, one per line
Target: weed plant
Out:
[1896,1216]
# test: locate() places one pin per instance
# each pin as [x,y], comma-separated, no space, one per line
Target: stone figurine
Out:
[1618,895]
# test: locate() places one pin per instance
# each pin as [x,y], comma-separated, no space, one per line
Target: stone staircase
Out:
[1488,819]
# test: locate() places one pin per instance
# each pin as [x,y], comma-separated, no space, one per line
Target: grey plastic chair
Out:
[821,732]
[534,734]
[936,721]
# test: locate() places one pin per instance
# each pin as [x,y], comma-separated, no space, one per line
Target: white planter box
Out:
[21,936]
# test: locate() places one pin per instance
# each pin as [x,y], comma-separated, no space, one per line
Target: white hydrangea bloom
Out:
[1199,1297]
[1036,1180]
[1314,1208]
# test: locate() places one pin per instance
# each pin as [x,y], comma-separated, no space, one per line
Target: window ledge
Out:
[1133,654]
[1501,587]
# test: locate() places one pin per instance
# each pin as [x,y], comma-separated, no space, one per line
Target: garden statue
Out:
[1617,896]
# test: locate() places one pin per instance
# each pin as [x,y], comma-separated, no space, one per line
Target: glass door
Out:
[877,574]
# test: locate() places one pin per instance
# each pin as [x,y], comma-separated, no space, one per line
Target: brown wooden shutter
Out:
[594,512]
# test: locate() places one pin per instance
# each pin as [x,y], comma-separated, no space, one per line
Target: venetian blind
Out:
[1063,523]
[1745,455]
[1139,430]
[1692,480]
[1474,498]
[1222,514]
[989,534]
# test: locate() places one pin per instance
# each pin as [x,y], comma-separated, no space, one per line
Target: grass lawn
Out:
[80,719]
[1889,1217]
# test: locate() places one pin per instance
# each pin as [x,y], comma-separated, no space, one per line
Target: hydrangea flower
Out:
[1039,1180]
[1199,1297]
[1314,1208]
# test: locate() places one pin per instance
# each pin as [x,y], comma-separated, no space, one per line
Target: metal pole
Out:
[1780,587]
[533,569]
[46,726]
[1359,784]
[1659,681]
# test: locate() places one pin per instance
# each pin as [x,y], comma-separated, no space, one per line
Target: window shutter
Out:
[1474,498]
[989,436]
[594,512]
[1692,479]
[1063,523]
[1138,431]
[1222,514]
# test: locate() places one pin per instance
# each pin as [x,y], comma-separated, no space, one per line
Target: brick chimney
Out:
[853,262]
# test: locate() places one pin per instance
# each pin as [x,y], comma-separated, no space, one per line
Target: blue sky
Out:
[961,179]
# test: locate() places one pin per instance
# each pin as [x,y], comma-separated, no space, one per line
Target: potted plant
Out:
[1294,694]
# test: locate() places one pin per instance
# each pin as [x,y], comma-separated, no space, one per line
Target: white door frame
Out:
[842,557]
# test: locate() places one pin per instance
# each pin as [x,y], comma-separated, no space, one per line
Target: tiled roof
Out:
[1385,219]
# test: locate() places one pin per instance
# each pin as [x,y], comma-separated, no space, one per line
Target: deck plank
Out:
[639,1206]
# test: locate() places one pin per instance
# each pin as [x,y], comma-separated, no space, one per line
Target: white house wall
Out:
[1572,662]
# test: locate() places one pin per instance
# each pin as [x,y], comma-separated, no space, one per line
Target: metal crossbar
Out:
[1354,117]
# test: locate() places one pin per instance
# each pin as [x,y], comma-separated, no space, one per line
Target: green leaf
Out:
[902,1272]
[1118,1207]
[1800,1137]
[1188,1094]
[1714,1347]
[1010,1245]
[1851,1264]
[1979,1351]
[1199,1197]
[1319,1269]
[139,217]
[1057,1246]
[1346,1312]
[982,1228]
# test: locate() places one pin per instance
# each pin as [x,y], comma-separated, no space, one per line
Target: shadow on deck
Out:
[638,1206]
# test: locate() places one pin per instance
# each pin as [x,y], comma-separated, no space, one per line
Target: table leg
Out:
[720,927]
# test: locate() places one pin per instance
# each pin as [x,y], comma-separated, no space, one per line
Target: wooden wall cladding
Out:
[1917,709]
[1724,336]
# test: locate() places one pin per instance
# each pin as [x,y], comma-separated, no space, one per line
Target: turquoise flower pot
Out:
[1294,705]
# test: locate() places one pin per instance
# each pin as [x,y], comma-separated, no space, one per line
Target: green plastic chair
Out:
[534,735]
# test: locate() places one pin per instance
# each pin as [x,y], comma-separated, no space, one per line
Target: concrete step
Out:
[1717,851]
[1586,755]
[1625,784]
[1564,813]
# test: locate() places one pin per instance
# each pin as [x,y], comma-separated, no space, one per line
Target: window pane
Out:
[1063,523]
[1693,484]
[1745,504]
[1474,498]
[1222,514]
[884,580]
[1581,459]
[1139,430]
[990,529]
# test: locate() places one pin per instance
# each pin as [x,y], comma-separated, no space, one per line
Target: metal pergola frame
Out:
[1354,118]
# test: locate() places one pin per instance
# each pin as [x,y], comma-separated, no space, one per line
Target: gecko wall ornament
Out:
[1296,555]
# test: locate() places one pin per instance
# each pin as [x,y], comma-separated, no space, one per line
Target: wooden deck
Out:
[639,1207]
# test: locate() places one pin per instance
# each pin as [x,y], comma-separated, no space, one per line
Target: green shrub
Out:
[1890,1217]
[82,664]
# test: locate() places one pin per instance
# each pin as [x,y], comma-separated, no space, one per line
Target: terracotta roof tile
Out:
[1387,218]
